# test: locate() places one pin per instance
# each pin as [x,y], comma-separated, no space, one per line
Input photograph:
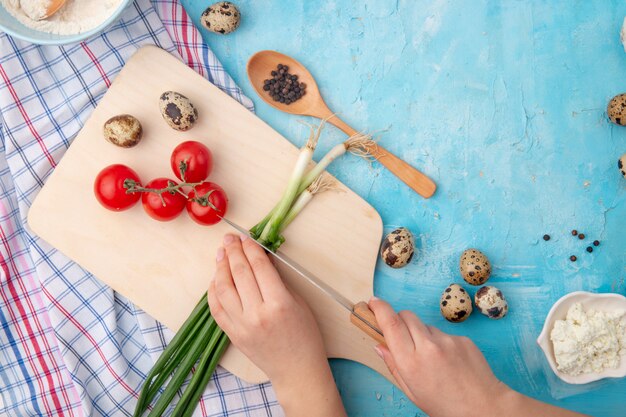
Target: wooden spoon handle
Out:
[418,181]
[415,179]
[363,311]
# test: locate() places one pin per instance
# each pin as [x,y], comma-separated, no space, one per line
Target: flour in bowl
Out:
[76,16]
[589,341]
[35,9]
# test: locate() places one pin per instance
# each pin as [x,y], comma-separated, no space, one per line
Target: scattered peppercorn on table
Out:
[504,105]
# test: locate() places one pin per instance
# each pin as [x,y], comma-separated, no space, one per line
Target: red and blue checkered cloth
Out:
[69,345]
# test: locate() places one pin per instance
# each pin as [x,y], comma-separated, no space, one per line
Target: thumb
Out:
[387,357]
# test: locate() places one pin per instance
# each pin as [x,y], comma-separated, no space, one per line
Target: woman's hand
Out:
[447,375]
[273,327]
[443,375]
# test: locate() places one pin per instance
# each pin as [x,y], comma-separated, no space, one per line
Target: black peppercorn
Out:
[573,258]
[574,232]
[284,87]
[546,237]
[589,249]
[596,243]
[581,236]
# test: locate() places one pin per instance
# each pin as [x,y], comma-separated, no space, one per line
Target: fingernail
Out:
[220,254]
[243,237]
[228,238]
[374,298]
[379,352]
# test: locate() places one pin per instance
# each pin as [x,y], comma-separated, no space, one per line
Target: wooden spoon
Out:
[312,104]
[53,7]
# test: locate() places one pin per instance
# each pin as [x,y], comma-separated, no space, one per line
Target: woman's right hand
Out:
[447,375]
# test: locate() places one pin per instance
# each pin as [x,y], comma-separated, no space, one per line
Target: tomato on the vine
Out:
[111,186]
[207,203]
[163,206]
[191,161]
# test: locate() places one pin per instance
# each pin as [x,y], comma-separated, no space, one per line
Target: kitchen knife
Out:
[360,314]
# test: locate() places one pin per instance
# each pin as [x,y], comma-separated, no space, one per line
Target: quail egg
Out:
[398,248]
[178,111]
[617,109]
[475,267]
[491,302]
[222,17]
[455,304]
[621,165]
[123,130]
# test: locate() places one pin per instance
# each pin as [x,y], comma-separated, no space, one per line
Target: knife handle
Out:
[364,311]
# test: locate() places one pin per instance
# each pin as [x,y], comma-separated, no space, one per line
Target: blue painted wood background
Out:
[503,104]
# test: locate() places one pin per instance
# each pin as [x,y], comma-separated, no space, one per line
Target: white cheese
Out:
[589,341]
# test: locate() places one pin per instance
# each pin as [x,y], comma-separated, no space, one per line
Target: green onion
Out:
[195,350]
[192,323]
[151,388]
[270,233]
[359,144]
[199,340]
[204,371]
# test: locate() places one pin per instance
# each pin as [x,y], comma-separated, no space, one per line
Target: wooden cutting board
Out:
[165,267]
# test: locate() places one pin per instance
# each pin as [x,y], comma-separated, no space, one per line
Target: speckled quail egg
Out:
[123,130]
[398,248]
[617,109]
[491,302]
[455,304]
[621,164]
[221,17]
[475,267]
[177,110]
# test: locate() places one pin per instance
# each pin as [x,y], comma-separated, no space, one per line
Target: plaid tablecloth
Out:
[69,345]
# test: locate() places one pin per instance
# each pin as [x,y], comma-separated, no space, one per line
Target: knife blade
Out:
[365,318]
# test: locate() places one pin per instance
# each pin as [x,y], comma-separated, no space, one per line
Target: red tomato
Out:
[207,203]
[165,206]
[110,190]
[191,161]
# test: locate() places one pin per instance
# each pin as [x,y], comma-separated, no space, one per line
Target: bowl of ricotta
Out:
[584,337]
[75,21]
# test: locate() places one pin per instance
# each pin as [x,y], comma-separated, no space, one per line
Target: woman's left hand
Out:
[273,327]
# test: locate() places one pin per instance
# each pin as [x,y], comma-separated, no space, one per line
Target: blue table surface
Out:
[504,105]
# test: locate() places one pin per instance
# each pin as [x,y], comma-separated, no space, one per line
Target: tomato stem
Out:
[133,186]
[181,193]
[204,200]
[182,167]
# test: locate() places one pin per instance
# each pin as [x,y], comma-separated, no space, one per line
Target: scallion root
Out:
[359,144]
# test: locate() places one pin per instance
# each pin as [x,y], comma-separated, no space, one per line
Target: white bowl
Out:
[14,27]
[602,302]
